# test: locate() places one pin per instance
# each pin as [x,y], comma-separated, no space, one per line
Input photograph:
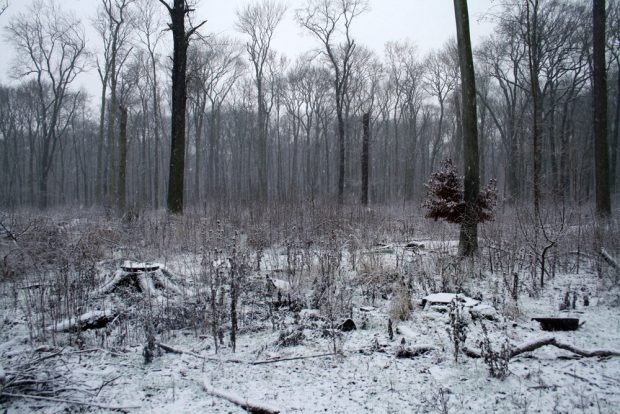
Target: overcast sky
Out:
[427,23]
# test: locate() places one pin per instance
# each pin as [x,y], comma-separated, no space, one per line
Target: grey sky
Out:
[427,23]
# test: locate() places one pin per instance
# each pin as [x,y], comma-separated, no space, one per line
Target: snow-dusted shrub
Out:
[445,197]
[400,305]
[291,337]
[496,360]
[458,327]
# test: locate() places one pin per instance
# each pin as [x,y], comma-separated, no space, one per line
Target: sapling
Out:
[458,327]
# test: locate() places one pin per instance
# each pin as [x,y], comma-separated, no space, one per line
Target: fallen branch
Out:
[269,361]
[76,402]
[173,350]
[252,407]
[551,341]
[610,260]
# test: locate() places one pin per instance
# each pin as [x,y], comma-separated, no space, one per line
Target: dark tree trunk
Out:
[179,103]
[534,66]
[468,243]
[341,149]
[599,95]
[180,38]
[122,161]
[365,155]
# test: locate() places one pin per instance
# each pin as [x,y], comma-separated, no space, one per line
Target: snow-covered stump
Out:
[149,279]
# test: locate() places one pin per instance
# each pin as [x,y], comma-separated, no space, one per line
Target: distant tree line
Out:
[261,126]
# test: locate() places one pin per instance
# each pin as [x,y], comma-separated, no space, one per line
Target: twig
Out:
[252,407]
[62,400]
[174,350]
[269,361]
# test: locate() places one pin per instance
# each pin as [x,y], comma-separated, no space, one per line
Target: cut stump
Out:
[558,324]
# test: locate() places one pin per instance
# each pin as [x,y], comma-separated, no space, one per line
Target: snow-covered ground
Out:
[105,368]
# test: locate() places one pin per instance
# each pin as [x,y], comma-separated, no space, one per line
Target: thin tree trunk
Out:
[365,156]
[122,167]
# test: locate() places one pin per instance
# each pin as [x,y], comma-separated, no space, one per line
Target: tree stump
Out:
[558,324]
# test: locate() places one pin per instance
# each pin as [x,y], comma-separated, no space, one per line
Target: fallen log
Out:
[250,406]
[548,341]
[89,320]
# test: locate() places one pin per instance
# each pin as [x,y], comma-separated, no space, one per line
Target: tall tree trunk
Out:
[180,40]
[616,136]
[100,186]
[599,95]
[365,155]
[534,67]
[341,148]
[468,242]
[122,160]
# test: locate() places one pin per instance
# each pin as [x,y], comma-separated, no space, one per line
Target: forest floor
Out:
[104,369]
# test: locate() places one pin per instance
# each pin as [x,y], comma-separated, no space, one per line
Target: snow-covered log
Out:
[89,320]
[547,341]
[253,407]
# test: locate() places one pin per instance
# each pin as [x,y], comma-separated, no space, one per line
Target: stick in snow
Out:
[173,350]
[241,402]
[610,260]
[76,402]
[551,341]
[269,361]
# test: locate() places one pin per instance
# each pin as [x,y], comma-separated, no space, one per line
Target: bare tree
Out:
[114,26]
[214,67]
[439,81]
[599,104]
[51,48]
[4,4]
[468,242]
[259,21]
[181,37]
[148,26]
[330,21]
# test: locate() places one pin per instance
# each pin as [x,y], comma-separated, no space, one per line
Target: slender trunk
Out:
[365,155]
[341,147]
[122,167]
[534,67]
[100,186]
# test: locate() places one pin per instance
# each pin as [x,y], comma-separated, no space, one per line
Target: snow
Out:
[362,377]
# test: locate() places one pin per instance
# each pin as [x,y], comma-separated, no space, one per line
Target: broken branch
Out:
[551,341]
[252,407]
